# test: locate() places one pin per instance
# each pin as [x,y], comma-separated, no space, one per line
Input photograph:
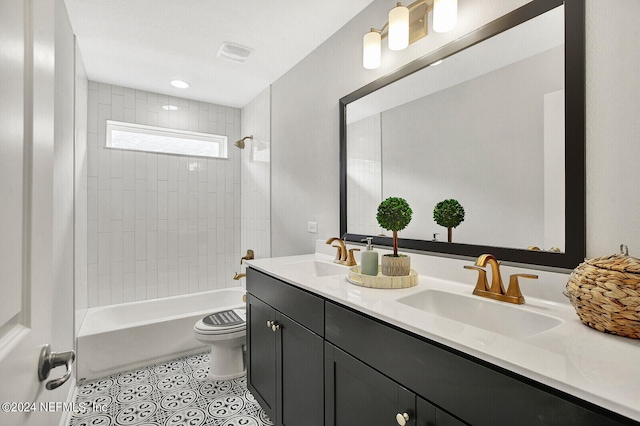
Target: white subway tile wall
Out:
[256,176]
[364,165]
[159,225]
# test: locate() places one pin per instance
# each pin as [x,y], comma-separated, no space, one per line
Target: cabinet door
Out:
[429,415]
[300,362]
[261,354]
[356,394]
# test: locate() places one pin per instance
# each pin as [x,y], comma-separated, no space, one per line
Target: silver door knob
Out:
[270,324]
[275,326]
[402,418]
[50,360]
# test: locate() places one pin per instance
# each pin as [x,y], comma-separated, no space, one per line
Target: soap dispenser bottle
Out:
[369,259]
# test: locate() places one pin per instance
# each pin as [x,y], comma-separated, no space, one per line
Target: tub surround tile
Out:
[143,207]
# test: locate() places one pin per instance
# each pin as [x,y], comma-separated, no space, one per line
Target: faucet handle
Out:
[514,287]
[481,284]
[351,261]
[338,254]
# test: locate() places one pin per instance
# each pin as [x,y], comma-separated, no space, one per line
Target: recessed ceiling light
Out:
[169,107]
[180,84]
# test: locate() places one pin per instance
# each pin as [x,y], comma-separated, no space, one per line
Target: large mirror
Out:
[497,125]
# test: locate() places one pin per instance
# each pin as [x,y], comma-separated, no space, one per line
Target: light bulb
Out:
[371,49]
[398,27]
[445,15]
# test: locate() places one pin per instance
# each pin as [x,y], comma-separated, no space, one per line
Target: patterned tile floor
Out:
[174,393]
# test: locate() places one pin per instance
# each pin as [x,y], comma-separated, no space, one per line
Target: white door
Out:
[30,279]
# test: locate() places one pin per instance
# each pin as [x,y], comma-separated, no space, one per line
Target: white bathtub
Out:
[125,336]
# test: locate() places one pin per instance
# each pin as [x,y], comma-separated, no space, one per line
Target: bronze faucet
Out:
[249,256]
[497,291]
[343,256]
[237,276]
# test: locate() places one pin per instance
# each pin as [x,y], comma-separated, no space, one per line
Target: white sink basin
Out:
[499,317]
[316,268]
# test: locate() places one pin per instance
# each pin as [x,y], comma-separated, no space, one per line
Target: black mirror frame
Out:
[575,203]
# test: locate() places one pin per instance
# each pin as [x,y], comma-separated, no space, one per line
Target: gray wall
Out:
[256,176]
[305,122]
[80,186]
[480,142]
[63,180]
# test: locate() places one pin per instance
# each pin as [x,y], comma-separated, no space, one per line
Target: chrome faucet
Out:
[497,291]
[343,256]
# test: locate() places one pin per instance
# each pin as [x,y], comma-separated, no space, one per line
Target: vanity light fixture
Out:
[399,27]
[407,25]
[445,15]
[179,84]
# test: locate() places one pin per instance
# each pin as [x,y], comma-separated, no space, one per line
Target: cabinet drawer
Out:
[295,303]
[455,382]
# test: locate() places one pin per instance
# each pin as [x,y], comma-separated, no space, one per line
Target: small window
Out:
[138,137]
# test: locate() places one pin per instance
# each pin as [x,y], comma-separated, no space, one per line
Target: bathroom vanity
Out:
[322,351]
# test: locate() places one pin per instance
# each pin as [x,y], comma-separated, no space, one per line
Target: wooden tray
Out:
[381,281]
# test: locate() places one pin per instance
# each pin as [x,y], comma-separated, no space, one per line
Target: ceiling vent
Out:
[234,53]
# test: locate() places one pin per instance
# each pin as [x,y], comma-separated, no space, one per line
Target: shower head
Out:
[240,143]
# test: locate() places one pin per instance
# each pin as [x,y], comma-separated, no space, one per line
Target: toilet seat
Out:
[206,329]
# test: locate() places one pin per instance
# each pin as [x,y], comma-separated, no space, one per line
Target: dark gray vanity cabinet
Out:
[261,354]
[473,391]
[314,362]
[285,353]
[356,394]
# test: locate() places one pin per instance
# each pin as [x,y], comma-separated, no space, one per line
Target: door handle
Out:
[50,360]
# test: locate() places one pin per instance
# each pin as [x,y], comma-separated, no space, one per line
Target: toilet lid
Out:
[221,322]
[223,319]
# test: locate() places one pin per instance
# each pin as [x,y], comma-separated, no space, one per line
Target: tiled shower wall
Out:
[364,165]
[159,225]
[256,176]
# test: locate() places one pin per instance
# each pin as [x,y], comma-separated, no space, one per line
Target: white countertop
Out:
[597,367]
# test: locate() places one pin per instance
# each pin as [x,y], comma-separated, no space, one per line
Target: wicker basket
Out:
[605,292]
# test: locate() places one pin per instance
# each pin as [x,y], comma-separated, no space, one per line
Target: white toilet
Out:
[226,332]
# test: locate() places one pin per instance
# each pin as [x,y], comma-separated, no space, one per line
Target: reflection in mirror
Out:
[484,127]
[498,125]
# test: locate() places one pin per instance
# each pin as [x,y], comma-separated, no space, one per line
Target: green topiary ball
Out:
[394,214]
[448,213]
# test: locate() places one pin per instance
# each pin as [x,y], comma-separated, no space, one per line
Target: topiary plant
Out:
[394,214]
[448,213]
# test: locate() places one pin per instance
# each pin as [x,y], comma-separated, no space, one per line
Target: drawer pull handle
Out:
[402,418]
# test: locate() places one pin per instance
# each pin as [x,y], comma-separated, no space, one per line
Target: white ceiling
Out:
[144,44]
